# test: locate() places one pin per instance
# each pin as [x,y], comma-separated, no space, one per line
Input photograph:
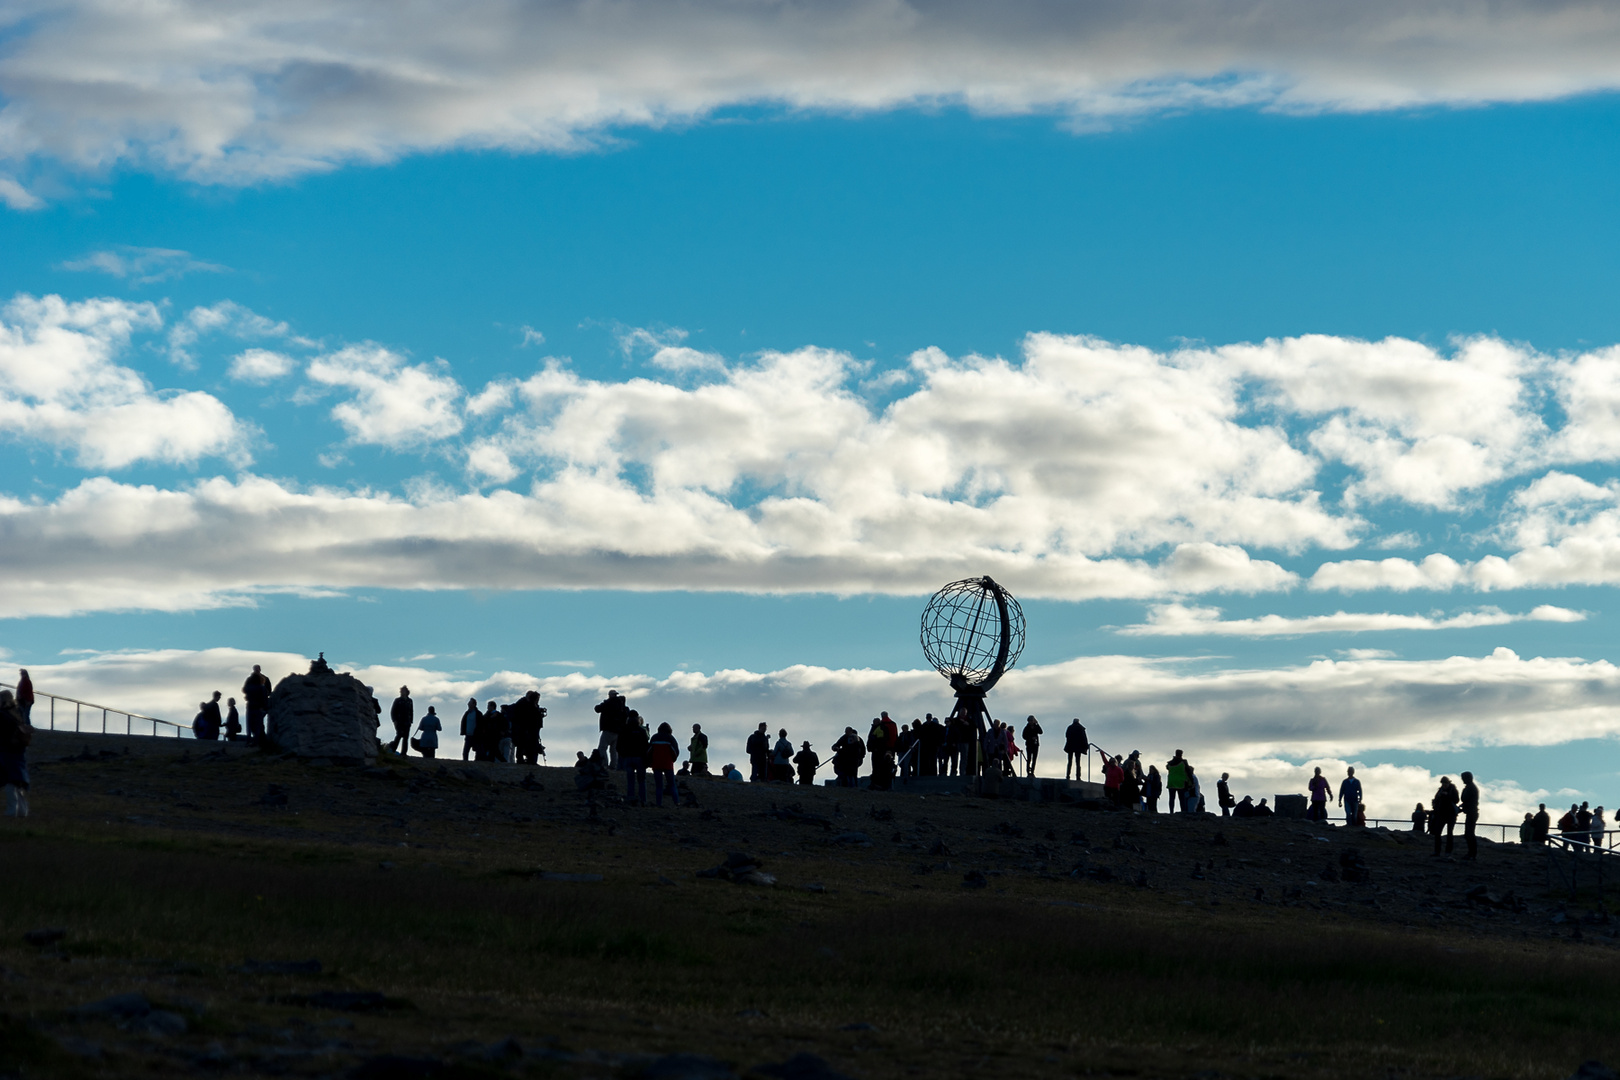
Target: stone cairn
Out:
[324,714]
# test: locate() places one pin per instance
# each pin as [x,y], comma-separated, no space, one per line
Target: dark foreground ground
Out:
[466,925]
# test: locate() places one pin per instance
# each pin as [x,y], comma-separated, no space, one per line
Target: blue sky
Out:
[513,386]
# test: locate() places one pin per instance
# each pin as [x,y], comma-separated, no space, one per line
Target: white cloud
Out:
[243,91]
[226,317]
[1268,728]
[60,384]
[395,404]
[18,197]
[142,265]
[1182,620]
[261,366]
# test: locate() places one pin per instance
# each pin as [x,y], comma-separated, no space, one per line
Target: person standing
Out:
[1175,782]
[1470,811]
[1543,821]
[1193,793]
[15,735]
[1350,795]
[782,759]
[1154,790]
[662,753]
[1420,820]
[1113,779]
[1032,744]
[1319,789]
[1598,827]
[880,741]
[1076,747]
[1583,823]
[758,747]
[1443,815]
[849,754]
[633,746]
[612,713]
[428,744]
[528,718]
[208,721]
[697,751]
[256,695]
[491,730]
[807,762]
[469,728]
[233,721]
[403,715]
[1223,794]
[25,695]
[933,746]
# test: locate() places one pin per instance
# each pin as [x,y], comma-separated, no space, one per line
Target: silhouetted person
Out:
[1543,822]
[782,759]
[633,759]
[208,722]
[1154,789]
[1175,782]
[1263,810]
[1319,789]
[256,696]
[1583,824]
[933,746]
[1420,819]
[1598,827]
[1567,824]
[1223,794]
[909,737]
[1244,807]
[1527,830]
[527,720]
[403,715]
[25,695]
[1470,812]
[807,763]
[427,744]
[491,730]
[849,754]
[590,773]
[233,721]
[1113,779]
[1075,746]
[697,752]
[1443,815]
[1350,796]
[1032,744]
[758,747]
[959,734]
[15,735]
[469,728]
[612,713]
[662,754]
[881,741]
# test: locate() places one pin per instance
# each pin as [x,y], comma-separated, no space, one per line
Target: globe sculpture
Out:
[973,632]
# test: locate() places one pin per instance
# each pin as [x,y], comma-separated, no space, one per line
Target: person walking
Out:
[1443,815]
[25,695]
[1032,744]
[1223,794]
[1543,822]
[1175,782]
[15,735]
[256,696]
[1319,789]
[427,742]
[1076,748]
[807,761]
[662,754]
[758,748]
[469,728]
[233,721]
[633,747]
[403,714]
[697,751]
[1350,796]
[1470,812]
[611,713]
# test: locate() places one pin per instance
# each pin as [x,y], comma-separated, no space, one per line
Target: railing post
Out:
[75,716]
[104,721]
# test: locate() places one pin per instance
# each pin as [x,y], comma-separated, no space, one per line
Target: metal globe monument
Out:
[973,633]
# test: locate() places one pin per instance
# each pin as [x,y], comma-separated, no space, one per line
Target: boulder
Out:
[324,714]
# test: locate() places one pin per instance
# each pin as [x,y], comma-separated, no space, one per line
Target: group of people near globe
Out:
[927,747]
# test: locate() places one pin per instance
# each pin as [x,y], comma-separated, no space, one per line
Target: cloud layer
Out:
[243,91]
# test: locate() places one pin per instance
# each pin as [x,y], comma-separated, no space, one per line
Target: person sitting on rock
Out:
[590,773]
[808,762]
[1263,810]
[662,753]
[1245,807]
[731,774]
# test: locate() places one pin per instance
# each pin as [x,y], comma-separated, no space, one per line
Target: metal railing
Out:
[84,718]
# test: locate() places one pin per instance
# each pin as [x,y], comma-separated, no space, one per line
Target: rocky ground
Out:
[79,997]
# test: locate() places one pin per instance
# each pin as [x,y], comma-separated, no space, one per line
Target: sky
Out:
[1268,354]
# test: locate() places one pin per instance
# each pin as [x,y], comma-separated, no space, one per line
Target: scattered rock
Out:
[974,879]
[939,850]
[161,1022]
[578,879]
[84,1048]
[347,1001]
[49,935]
[1593,1070]
[399,1067]
[862,1026]
[117,1007]
[856,838]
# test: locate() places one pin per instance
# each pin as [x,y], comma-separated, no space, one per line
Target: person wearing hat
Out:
[807,763]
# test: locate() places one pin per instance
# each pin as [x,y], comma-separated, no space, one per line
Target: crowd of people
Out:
[927,747]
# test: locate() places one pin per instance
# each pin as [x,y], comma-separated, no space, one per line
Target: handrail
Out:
[179,732]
